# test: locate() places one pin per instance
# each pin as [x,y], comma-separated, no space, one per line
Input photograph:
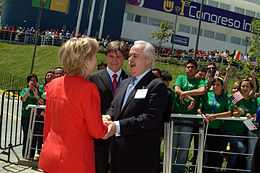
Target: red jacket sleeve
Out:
[92,114]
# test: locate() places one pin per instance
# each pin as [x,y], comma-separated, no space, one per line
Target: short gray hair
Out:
[149,49]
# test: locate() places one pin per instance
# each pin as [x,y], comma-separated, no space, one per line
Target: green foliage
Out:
[254,50]
[162,35]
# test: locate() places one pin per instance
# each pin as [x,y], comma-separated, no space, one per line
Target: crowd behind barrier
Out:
[168,130]
[168,163]
[27,36]
[56,37]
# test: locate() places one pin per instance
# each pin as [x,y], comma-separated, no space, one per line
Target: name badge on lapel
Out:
[141,93]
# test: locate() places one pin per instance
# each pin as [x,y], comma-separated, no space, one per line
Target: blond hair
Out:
[75,53]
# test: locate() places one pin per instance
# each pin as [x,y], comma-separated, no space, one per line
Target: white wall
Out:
[137,31]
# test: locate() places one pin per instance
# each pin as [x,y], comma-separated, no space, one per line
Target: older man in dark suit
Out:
[107,80]
[137,111]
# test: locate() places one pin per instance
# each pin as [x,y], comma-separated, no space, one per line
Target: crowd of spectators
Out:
[56,37]
[201,90]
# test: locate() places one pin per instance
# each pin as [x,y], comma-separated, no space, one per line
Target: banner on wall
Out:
[53,5]
[191,10]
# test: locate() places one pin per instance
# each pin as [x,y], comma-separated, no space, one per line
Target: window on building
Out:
[171,26]
[209,34]
[194,31]
[250,13]
[239,10]
[235,40]
[130,16]
[144,19]
[137,18]
[184,28]
[212,3]
[224,6]
[154,22]
[246,41]
[258,15]
[220,36]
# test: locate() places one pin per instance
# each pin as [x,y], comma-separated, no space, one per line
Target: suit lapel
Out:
[106,79]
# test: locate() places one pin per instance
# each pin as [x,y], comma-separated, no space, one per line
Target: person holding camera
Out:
[30,95]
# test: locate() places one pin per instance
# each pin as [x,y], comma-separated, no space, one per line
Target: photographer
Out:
[30,95]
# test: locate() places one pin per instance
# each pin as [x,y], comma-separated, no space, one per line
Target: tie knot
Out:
[114,76]
[133,80]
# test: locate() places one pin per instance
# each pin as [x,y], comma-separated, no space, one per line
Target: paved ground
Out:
[14,167]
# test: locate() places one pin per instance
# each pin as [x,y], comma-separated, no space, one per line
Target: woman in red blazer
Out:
[72,116]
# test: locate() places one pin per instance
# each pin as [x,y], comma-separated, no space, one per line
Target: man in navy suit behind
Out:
[107,81]
[137,114]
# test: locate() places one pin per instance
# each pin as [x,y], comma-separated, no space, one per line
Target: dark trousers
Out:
[214,143]
[102,150]
[256,158]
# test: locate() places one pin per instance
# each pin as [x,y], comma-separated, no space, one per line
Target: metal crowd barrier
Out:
[10,123]
[31,130]
[24,37]
[168,143]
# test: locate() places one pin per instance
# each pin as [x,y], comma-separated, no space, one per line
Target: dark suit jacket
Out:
[104,84]
[137,150]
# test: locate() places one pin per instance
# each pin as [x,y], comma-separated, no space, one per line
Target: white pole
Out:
[102,19]
[91,17]
[79,17]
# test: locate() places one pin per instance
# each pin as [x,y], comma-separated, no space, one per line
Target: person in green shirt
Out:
[29,95]
[247,107]
[215,104]
[187,89]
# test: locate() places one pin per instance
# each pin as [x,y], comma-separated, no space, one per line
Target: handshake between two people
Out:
[111,126]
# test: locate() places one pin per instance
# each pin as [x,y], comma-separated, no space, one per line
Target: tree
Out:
[162,35]
[254,50]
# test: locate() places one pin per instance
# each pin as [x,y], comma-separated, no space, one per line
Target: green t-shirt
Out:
[31,99]
[211,103]
[187,84]
[249,106]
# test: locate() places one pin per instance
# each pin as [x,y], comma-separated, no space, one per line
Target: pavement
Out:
[17,166]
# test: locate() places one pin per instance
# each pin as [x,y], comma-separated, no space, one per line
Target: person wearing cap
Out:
[107,81]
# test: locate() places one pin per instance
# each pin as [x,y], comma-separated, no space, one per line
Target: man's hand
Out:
[106,119]
[110,131]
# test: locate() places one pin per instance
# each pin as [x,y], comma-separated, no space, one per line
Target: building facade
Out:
[226,24]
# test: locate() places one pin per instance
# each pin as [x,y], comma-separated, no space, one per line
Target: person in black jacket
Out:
[137,112]
[107,81]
